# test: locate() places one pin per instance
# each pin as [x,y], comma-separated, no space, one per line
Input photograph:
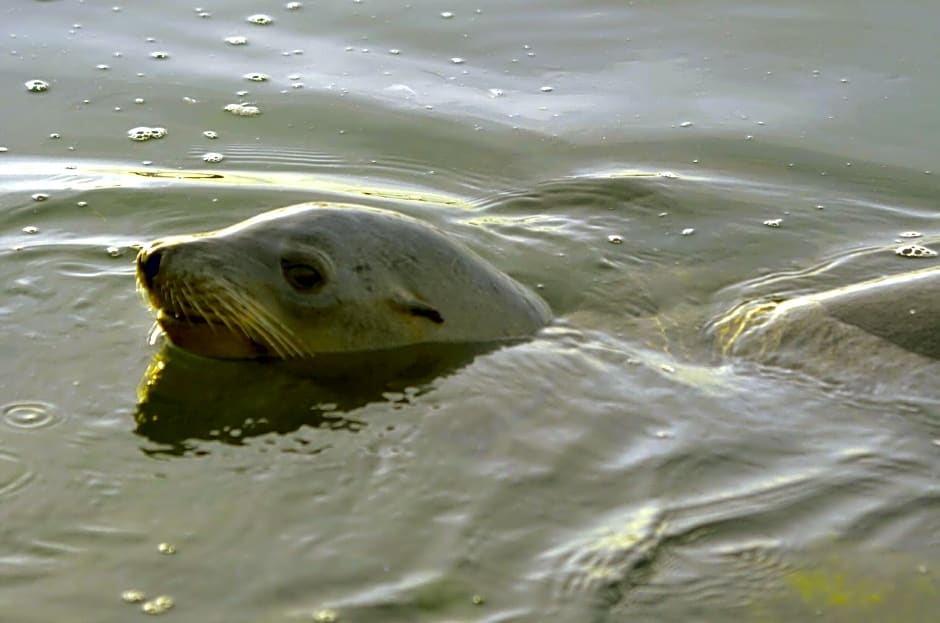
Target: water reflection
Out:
[183,397]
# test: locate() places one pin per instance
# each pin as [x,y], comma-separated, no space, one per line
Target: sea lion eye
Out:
[302,277]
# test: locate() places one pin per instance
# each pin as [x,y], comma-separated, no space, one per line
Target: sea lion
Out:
[320,278]
[881,334]
[899,309]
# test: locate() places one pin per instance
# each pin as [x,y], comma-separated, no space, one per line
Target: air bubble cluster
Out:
[133,596]
[243,110]
[158,605]
[37,86]
[915,250]
[144,133]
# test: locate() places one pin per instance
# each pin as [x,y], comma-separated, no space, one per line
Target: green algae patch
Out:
[820,589]
[857,588]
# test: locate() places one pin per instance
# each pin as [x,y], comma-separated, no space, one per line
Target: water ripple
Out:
[391,167]
[29,415]
[257,155]
[14,473]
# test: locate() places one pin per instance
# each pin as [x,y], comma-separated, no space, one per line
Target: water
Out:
[617,467]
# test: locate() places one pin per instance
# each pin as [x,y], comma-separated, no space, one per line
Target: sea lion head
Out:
[328,278]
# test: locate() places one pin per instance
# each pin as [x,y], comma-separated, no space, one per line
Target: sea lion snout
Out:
[148,264]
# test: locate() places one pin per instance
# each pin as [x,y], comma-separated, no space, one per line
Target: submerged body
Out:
[876,330]
[329,278]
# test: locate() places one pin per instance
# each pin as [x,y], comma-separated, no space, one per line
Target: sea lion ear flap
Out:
[409,304]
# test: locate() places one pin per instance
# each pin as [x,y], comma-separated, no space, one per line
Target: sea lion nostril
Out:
[149,265]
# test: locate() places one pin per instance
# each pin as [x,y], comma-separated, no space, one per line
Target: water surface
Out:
[618,467]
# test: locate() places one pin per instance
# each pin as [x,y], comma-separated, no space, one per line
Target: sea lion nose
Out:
[148,264]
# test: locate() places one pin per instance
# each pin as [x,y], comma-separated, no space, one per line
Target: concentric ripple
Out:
[29,415]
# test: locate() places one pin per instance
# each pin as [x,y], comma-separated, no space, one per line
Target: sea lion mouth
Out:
[181,307]
[182,316]
[187,317]
[210,337]
[214,320]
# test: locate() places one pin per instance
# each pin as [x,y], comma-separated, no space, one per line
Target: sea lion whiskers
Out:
[281,337]
[181,302]
[169,296]
[230,315]
[253,320]
[222,305]
[193,300]
[239,319]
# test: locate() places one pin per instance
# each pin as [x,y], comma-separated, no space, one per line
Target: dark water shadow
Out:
[184,398]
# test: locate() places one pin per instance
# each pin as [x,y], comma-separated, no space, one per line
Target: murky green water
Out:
[616,468]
